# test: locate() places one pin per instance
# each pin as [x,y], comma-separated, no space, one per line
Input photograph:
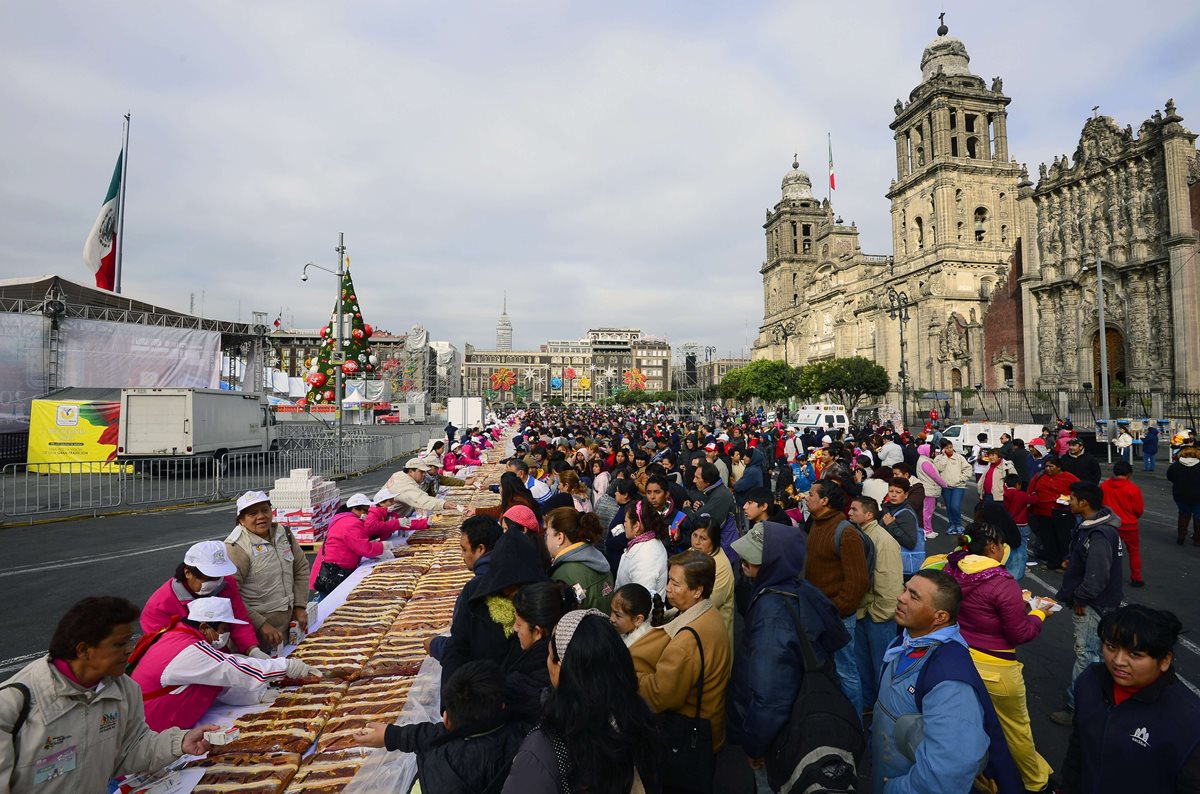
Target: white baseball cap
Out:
[249,499]
[209,557]
[359,500]
[212,610]
[383,494]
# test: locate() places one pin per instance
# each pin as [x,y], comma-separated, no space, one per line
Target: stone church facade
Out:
[993,268]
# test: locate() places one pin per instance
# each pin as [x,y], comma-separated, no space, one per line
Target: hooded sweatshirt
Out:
[482,627]
[992,618]
[1125,498]
[1093,576]
[768,666]
[585,567]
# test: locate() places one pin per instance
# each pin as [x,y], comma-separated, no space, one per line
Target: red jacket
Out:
[1017,503]
[1124,498]
[1046,489]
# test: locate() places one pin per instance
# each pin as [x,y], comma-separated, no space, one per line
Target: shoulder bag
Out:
[689,764]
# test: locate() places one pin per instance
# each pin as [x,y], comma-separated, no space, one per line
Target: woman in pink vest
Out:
[450,459]
[184,671]
[346,541]
[206,571]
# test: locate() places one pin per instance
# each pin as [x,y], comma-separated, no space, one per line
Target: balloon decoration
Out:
[570,373]
[585,383]
[556,382]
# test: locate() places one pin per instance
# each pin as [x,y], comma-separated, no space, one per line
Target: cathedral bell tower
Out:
[954,209]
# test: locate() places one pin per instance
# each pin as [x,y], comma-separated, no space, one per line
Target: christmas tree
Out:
[356,359]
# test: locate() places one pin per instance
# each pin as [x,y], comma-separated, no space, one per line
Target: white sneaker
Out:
[930,535]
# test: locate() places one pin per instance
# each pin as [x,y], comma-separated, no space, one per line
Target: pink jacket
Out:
[181,675]
[1061,445]
[172,598]
[993,616]
[469,456]
[379,526]
[346,543]
[449,463]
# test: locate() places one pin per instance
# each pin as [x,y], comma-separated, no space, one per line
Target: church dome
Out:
[947,52]
[796,184]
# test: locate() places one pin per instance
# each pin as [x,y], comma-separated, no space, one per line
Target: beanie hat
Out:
[565,629]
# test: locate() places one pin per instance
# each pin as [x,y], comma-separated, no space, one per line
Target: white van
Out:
[822,417]
[966,436]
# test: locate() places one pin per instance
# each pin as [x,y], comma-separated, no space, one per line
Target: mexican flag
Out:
[100,250]
[832,186]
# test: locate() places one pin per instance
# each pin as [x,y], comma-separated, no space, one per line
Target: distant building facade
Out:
[588,370]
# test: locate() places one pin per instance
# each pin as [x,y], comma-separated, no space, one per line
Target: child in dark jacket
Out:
[472,749]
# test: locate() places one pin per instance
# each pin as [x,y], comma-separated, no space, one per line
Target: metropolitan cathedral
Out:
[994,272]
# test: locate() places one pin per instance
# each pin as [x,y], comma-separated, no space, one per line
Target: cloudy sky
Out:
[605,163]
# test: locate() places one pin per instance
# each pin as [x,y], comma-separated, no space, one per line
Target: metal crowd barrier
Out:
[100,486]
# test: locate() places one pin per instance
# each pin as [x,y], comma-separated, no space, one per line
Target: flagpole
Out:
[121,207]
[829,186]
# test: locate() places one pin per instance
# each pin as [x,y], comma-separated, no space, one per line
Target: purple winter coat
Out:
[993,616]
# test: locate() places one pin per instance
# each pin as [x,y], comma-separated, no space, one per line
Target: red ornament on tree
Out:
[370,331]
[350,367]
[328,395]
[358,333]
[324,331]
[317,379]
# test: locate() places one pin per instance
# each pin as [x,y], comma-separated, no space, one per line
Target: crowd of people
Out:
[655,592]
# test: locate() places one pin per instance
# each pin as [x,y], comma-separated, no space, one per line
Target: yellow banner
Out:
[74,437]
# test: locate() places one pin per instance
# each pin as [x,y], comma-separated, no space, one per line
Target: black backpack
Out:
[822,743]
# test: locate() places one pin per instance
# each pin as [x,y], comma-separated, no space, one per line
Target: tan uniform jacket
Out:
[75,739]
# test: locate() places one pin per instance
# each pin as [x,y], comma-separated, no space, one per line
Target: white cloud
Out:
[605,165]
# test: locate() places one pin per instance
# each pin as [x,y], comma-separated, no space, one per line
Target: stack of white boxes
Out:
[304,503]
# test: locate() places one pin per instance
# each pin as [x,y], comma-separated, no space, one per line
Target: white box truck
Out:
[210,423]
[464,412]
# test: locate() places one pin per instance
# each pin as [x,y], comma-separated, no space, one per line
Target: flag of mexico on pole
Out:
[100,250]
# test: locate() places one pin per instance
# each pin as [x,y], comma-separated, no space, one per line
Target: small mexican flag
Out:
[832,186]
[100,250]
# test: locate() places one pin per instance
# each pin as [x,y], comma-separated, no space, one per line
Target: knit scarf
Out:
[909,644]
[502,612]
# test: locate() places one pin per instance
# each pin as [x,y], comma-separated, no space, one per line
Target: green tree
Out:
[731,385]
[844,380]
[769,381]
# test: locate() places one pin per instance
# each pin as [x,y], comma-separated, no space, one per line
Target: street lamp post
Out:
[783,332]
[338,336]
[709,351]
[898,310]
[1104,405]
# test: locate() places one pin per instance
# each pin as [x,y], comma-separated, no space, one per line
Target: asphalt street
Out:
[47,568]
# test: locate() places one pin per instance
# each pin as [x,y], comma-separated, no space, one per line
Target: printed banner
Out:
[71,436]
